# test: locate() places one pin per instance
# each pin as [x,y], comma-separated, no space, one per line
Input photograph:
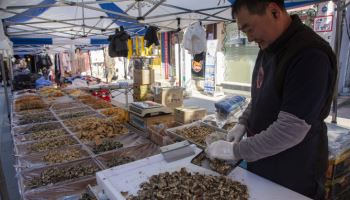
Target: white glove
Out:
[236,133]
[221,150]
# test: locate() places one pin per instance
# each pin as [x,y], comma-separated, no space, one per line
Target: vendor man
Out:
[292,88]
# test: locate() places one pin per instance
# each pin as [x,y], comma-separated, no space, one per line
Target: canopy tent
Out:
[99,18]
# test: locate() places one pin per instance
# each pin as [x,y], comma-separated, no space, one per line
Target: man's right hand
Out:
[236,133]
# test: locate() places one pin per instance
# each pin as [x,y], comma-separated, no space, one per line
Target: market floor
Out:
[8,180]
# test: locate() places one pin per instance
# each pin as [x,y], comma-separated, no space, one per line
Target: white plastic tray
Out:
[128,177]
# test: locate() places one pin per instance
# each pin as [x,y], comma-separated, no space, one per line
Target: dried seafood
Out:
[76,92]
[56,174]
[51,144]
[60,106]
[33,111]
[118,113]
[73,122]
[196,133]
[96,129]
[46,134]
[72,110]
[219,166]
[76,114]
[29,103]
[94,102]
[43,127]
[62,156]
[115,161]
[106,145]
[184,185]
[35,118]
[50,92]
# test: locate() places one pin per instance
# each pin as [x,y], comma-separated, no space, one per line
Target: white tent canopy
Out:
[98,19]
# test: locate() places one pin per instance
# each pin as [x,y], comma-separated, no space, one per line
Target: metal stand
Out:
[4,80]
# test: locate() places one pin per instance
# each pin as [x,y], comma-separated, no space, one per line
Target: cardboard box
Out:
[170,97]
[189,114]
[159,135]
[339,166]
[142,77]
[143,123]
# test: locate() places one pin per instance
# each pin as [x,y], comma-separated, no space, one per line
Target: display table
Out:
[128,177]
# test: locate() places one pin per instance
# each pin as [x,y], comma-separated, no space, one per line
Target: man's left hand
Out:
[221,150]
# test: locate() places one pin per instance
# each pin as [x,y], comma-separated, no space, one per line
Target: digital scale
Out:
[148,108]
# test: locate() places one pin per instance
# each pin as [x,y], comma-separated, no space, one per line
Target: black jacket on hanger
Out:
[118,46]
[151,36]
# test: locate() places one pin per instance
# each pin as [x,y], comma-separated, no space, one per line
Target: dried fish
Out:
[51,144]
[57,174]
[184,185]
[115,161]
[36,118]
[118,113]
[71,115]
[46,134]
[196,133]
[95,129]
[38,127]
[106,145]
[62,156]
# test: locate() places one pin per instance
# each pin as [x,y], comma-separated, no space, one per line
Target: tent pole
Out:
[337,46]
[4,80]
[179,58]
[127,87]
[11,73]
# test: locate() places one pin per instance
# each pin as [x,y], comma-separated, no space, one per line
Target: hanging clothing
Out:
[195,39]
[79,64]
[151,36]
[65,62]
[118,44]
[43,61]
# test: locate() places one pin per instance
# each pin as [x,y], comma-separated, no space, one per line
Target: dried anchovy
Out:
[184,185]
[36,118]
[65,105]
[42,127]
[73,122]
[47,134]
[219,166]
[73,110]
[77,114]
[115,161]
[56,174]
[196,133]
[51,144]
[62,156]
[106,145]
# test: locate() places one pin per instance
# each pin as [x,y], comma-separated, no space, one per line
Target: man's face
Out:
[258,28]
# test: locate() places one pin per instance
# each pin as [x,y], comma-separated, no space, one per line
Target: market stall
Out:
[69,139]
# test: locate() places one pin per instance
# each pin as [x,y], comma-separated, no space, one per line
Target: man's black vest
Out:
[306,162]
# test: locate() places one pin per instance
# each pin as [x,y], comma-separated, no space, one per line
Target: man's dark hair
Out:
[255,6]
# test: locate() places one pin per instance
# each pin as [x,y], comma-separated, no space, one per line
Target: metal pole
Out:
[11,73]
[127,86]
[179,58]
[337,46]
[4,80]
